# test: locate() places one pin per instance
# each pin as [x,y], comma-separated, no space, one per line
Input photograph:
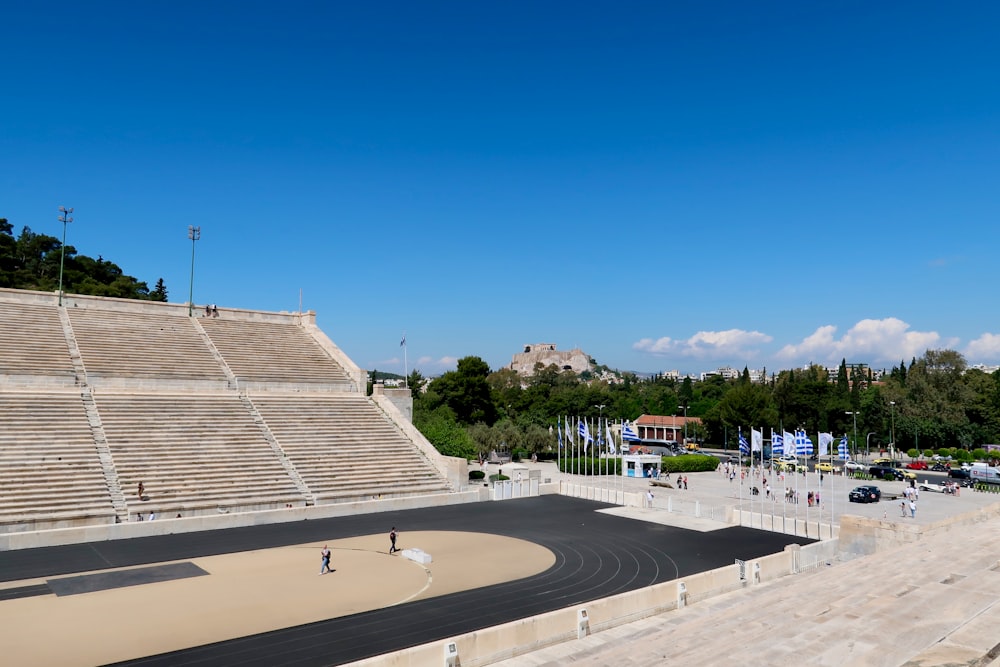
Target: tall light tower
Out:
[685,424]
[855,415]
[892,434]
[65,219]
[194,233]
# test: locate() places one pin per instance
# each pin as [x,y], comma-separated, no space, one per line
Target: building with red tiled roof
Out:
[657,428]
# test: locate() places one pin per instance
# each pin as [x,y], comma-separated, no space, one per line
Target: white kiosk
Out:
[641,465]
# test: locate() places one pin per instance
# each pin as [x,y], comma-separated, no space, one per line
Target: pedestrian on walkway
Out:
[324,559]
[392,540]
[649,499]
[902,508]
[913,510]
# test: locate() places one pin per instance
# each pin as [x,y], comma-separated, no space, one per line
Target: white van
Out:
[980,472]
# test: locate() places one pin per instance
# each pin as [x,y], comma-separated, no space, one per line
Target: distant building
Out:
[658,429]
[546,354]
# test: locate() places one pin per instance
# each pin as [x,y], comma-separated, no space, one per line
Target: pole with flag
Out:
[406,372]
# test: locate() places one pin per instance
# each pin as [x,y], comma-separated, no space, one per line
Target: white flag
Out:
[825,440]
[756,440]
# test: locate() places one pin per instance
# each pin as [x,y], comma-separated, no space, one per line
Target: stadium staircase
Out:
[243,412]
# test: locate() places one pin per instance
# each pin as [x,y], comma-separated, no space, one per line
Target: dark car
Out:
[959,473]
[865,494]
[885,472]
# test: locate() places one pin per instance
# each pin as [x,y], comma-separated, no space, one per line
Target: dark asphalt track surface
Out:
[597,555]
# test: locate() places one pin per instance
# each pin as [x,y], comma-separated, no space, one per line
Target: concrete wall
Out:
[401,398]
[166,526]
[861,536]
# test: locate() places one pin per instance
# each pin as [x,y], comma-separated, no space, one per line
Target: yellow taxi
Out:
[824,466]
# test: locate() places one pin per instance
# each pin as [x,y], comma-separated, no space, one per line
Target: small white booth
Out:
[641,465]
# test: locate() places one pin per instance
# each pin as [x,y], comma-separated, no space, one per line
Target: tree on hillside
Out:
[32,261]
[466,392]
[159,292]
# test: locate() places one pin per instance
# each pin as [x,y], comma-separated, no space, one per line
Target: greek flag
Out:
[744,445]
[559,432]
[777,444]
[585,434]
[825,440]
[629,434]
[842,449]
[803,445]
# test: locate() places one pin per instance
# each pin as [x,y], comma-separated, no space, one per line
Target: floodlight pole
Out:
[855,415]
[892,408]
[65,219]
[194,233]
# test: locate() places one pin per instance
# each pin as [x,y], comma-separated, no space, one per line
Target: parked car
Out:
[854,466]
[937,457]
[787,458]
[885,472]
[865,494]
[917,465]
[824,466]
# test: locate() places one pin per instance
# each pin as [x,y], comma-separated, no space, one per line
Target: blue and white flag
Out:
[585,434]
[612,450]
[842,449]
[559,432]
[744,445]
[825,440]
[777,444]
[803,445]
[628,434]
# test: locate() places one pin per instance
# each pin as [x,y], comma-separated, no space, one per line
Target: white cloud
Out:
[887,339]
[707,344]
[984,348]
[428,366]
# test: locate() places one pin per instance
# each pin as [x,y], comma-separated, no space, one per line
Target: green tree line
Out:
[931,402]
[31,261]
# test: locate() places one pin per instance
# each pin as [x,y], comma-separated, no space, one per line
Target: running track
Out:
[597,555]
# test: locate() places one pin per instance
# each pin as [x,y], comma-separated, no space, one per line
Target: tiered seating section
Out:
[260,352]
[142,346]
[32,342]
[49,466]
[192,453]
[167,413]
[345,449]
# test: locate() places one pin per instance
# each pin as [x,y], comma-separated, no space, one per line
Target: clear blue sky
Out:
[667,185]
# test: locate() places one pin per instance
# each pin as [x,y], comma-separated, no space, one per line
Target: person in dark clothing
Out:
[392,540]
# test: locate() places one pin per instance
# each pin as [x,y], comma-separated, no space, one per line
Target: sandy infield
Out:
[255,591]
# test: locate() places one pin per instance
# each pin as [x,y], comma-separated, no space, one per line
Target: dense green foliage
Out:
[31,262]
[933,403]
[689,463]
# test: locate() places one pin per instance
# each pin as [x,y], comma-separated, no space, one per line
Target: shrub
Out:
[476,474]
[944,451]
[519,455]
[498,478]
[913,453]
[689,463]
[979,454]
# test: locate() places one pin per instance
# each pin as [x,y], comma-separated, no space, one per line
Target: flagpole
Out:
[406,372]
